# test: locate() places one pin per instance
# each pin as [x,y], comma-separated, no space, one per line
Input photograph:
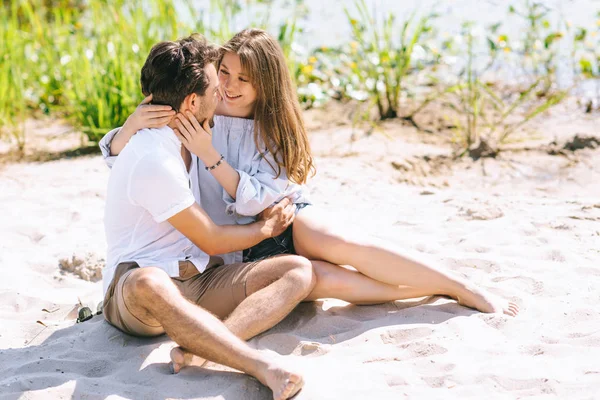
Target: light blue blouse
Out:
[258,187]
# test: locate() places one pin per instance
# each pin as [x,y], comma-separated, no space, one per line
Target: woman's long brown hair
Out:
[277,116]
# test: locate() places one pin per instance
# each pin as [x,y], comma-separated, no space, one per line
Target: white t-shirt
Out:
[149,184]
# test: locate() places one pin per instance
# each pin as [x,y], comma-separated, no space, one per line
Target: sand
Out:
[526,226]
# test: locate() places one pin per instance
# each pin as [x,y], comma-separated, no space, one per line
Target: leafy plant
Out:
[383,56]
[537,50]
[586,55]
[489,113]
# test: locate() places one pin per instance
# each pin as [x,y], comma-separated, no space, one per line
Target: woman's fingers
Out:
[183,130]
[206,126]
[159,122]
[147,100]
[192,119]
[154,110]
[182,119]
[158,113]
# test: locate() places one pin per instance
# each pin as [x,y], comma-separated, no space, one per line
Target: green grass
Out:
[80,60]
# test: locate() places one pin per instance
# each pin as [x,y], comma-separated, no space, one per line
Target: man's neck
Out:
[172,124]
[185,154]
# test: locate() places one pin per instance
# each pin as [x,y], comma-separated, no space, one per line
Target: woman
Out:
[260,133]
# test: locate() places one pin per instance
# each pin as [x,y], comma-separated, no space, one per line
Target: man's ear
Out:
[193,102]
[190,103]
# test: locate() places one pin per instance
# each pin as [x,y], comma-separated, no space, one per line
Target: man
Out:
[160,277]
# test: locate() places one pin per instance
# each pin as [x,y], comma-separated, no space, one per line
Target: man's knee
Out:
[301,273]
[146,283]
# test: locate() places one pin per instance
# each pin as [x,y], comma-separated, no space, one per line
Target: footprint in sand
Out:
[487,266]
[531,285]
[496,321]
[436,382]
[314,349]
[533,350]
[400,336]
[544,384]
[556,255]
[422,349]
[395,380]
[480,212]
[560,226]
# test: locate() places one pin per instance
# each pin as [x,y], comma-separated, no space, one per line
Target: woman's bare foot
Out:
[284,383]
[487,302]
[181,358]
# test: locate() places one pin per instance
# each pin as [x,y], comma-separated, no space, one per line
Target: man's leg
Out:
[151,297]
[274,287]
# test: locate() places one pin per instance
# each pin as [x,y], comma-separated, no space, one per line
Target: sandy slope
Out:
[529,229]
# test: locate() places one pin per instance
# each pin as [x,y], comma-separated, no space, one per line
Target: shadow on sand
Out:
[98,360]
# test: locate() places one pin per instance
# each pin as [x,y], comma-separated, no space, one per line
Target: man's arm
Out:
[214,239]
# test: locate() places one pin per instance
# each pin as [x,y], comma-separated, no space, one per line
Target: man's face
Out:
[208,103]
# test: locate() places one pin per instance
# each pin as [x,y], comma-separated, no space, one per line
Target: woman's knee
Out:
[331,278]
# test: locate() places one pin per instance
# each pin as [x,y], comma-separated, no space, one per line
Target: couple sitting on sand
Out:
[212,237]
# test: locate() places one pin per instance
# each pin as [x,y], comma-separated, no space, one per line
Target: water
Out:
[326,23]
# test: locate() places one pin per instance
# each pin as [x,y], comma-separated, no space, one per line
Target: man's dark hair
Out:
[174,70]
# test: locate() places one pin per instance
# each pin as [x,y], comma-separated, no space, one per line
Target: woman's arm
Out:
[245,194]
[197,139]
[104,145]
[146,115]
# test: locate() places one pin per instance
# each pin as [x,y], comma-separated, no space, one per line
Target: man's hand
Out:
[276,219]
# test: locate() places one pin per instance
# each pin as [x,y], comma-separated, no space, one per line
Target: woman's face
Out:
[238,93]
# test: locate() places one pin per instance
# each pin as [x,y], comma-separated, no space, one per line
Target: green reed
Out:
[586,58]
[537,50]
[13,98]
[81,59]
[489,112]
[382,55]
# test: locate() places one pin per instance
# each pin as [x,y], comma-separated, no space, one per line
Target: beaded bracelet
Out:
[216,165]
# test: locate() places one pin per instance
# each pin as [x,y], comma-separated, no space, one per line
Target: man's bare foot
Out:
[284,383]
[487,302]
[181,358]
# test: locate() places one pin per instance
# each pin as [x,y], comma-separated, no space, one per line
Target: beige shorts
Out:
[219,289]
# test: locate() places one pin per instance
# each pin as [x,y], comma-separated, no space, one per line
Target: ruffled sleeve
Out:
[258,189]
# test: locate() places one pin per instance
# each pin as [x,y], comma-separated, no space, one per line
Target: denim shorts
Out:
[282,244]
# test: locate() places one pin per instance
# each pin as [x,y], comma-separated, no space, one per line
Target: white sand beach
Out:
[525,225]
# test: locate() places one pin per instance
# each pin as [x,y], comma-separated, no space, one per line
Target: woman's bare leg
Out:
[338,282]
[383,262]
